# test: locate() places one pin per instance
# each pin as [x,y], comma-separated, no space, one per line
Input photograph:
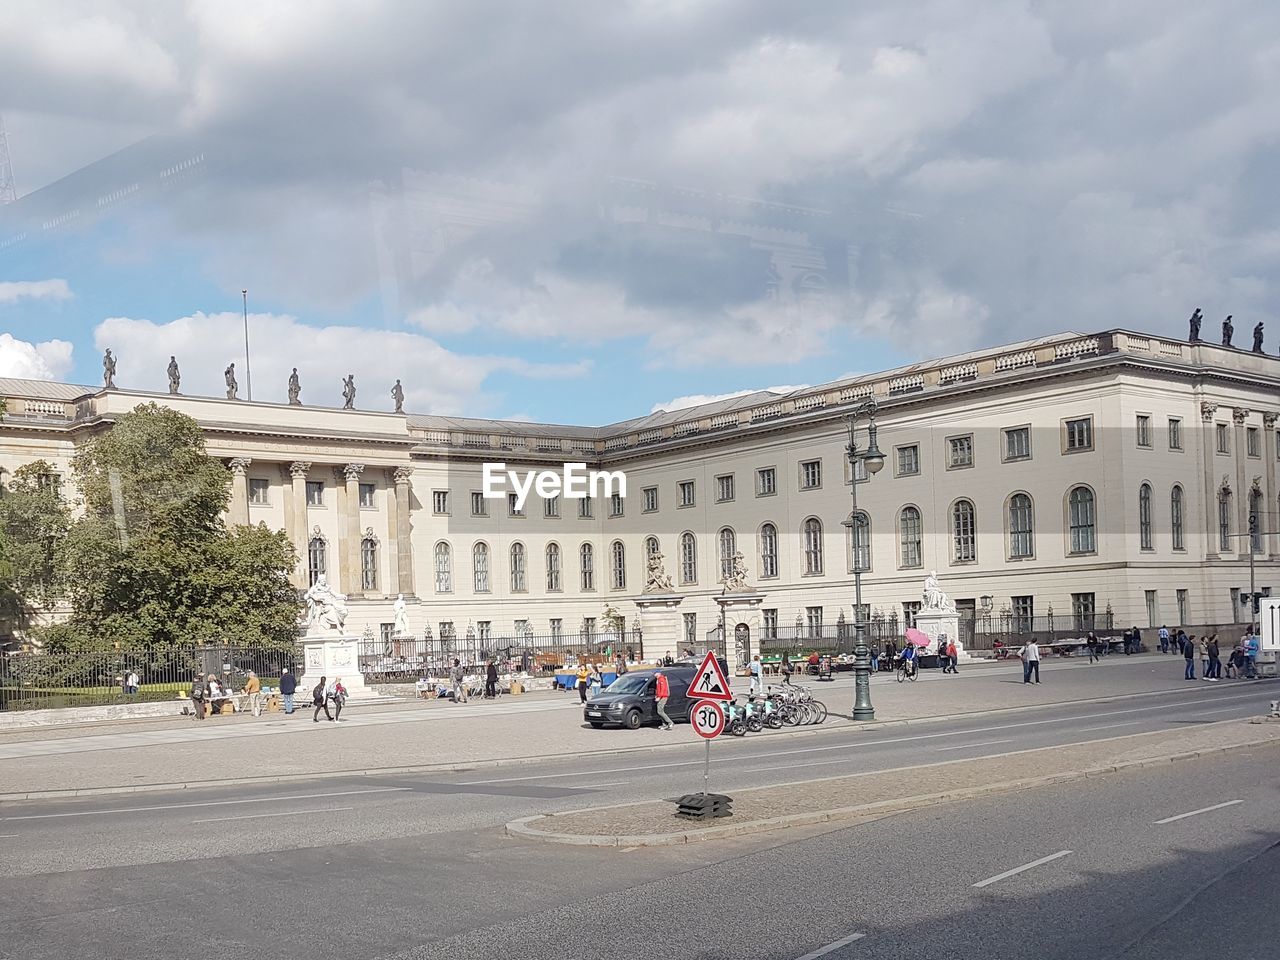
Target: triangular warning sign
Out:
[709,682]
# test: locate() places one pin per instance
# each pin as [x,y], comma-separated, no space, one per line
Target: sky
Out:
[578,212]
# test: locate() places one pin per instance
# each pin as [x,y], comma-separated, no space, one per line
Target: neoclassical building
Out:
[1072,474]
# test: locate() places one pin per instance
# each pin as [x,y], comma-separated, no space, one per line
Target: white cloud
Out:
[14,290]
[697,399]
[435,379]
[48,360]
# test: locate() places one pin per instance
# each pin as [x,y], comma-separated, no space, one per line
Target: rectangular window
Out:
[557,628]
[1082,610]
[366,496]
[615,505]
[315,493]
[690,628]
[588,626]
[585,509]
[1024,613]
[766,482]
[686,493]
[1017,443]
[769,623]
[446,630]
[1253,441]
[859,470]
[440,502]
[1175,433]
[385,633]
[960,452]
[909,611]
[649,499]
[1223,438]
[909,460]
[813,621]
[1183,616]
[512,509]
[1235,603]
[484,629]
[1144,430]
[724,488]
[551,507]
[1079,434]
[1224,522]
[258,491]
[479,505]
[1153,608]
[810,474]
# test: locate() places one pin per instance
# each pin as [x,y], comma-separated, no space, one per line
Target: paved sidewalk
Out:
[436,733]
[653,823]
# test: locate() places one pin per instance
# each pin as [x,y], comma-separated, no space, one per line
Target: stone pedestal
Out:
[941,623]
[660,625]
[333,656]
[742,627]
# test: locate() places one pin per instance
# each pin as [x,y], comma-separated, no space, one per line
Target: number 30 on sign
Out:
[707,719]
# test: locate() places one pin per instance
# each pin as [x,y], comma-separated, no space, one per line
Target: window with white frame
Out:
[259,492]
[1021,529]
[1253,441]
[551,507]
[519,582]
[810,474]
[768,551]
[766,482]
[553,568]
[615,505]
[1175,516]
[368,564]
[1224,520]
[444,568]
[687,493]
[584,509]
[1079,434]
[811,537]
[910,537]
[587,563]
[964,544]
[315,493]
[480,566]
[1081,520]
[690,629]
[1143,428]
[1223,436]
[1017,443]
[651,548]
[1175,433]
[618,565]
[688,558]
[724,488]
[440,502]
[728,547]
[479,505]
[909,460]
[513,507]
[860,542]
[1146,537]
[960,451]
[317,550]
[649,499]
[367,493]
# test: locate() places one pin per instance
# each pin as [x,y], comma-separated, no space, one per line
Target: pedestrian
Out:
[1204,658]
[875,658]
[1235,663]
[952,656]
[1182,640]
[1164,639]
[757,682]
[788,668]
[524,660]
[491,680]
[338,694]
[597,680]
[253,693]
[942,654]
[661,691]
[1251,646]
[131,682]
[288,687]
[1189,652]
[620,664]
[1215,661]
[813,663]
[582,681]
[1091,645]
[1137,640]
[457,675]
[197,696]
[1030,661]
[319,702]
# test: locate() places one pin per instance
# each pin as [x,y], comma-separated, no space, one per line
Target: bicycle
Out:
[907,670]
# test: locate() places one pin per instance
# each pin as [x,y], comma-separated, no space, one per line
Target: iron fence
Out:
[833,639]
[38,680]
[408,658]
[1012,630]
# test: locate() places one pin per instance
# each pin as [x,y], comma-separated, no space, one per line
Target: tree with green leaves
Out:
[34,524]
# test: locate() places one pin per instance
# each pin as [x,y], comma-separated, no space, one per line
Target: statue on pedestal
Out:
[1257,338]
[656,579]
[401,628]
[108,371]
[229,377]
[934,598]
[325,606]
[1196,319]
[175,377]
[736,581]
[1227,331]
[295,389]
[349,392]
[397,394]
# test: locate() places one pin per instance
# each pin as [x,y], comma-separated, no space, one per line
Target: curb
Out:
[523,828]
[464,766]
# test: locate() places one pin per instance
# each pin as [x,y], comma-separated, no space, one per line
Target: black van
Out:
[629,700]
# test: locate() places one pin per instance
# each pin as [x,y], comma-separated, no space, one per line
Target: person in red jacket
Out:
[661,691]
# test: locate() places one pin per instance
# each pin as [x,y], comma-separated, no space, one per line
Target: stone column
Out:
[660,625]
[1238,453]
[391,583]
[404,531]
[1208,450]
[1270,519]
[351,529]
[298,497]
[240,490]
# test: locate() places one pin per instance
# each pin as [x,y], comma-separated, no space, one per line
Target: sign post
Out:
[707,718]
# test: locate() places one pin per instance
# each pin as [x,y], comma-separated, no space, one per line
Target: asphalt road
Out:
[372,866]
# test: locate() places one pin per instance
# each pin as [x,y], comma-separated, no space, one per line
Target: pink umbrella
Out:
[916,638]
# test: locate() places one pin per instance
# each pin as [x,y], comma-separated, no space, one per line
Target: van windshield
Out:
[630,683]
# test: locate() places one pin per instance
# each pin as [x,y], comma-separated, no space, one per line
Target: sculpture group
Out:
[1228,331]
[325,606]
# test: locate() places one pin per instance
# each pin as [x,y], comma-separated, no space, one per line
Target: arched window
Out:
[519,582]
[1175,516]
[553,567]
[859,542]
[1082,520]
[910,536]
[688,558]
[964,543]
[651,547]
[728,547]
[444,568]
[1224,520]
[768,550]
[1146,540]
[618,565]
[1255,520]
[587,557]
[317,551]
[368,563]
[1021,529]
[811,534]
[480,566]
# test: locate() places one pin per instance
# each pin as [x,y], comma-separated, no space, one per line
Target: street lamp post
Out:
[873,460]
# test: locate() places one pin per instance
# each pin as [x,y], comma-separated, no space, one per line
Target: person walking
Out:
[1215,661]
[457,675]
[787,668]
[1189,652]
[1030,661]
[491,680]
[942,655]
[338,694]
[757,683]
[1182,640]
[620,664]
[1091,645]
[288,687]
[197,696]
[582,681]
[253,693]
[952,656]
[319,702]
[661,691]
[1251,647]
[1164,639]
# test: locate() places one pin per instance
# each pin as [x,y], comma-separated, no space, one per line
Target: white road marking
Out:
[7,836]
[966,746]
[288,813]
[1022,869]
[206,803]
[836,945]
[1196,813]
[597,786]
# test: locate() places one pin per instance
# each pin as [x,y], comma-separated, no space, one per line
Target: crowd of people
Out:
[210,695]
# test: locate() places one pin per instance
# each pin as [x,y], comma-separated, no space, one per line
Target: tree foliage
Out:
[34,524]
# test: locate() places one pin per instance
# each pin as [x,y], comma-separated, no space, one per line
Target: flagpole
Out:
[248,377]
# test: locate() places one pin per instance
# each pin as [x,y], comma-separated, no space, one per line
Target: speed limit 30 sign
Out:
[707,719]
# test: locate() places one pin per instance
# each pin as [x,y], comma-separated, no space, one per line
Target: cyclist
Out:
[908,656]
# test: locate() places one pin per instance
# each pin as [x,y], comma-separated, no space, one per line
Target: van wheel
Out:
[596,726]
[632,720]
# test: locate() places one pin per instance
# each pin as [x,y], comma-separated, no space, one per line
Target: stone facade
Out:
[1138,455]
